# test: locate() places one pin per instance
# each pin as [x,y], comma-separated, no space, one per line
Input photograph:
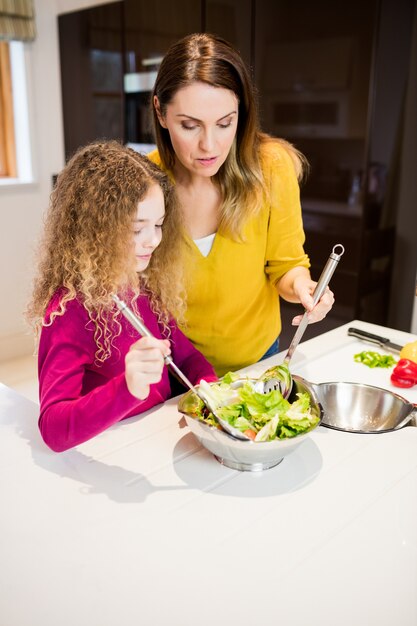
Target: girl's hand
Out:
[144,364]
[303,289]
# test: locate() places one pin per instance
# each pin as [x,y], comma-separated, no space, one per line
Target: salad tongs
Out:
[279,377]
[203,394]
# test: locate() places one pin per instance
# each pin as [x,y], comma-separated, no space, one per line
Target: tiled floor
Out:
[21,374]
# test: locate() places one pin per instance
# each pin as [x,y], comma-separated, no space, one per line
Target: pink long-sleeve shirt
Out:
[80,398]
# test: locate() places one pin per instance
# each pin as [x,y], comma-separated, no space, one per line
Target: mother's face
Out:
[202,123]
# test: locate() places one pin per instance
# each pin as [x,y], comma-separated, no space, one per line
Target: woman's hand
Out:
[144,364]
[303,289]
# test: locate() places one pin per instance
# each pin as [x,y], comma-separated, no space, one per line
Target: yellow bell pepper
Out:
[409,351]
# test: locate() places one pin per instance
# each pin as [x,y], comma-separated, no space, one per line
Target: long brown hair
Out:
[87,246]
[207,58]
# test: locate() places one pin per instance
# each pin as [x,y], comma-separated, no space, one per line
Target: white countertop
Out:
[142,526]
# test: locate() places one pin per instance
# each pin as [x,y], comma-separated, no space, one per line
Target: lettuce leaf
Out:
[269,415]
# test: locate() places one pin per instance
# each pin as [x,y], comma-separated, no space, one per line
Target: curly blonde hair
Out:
[86,251]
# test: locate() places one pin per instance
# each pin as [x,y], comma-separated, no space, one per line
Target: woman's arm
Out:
[297,286]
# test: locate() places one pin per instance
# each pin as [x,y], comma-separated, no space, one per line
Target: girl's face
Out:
[202,124]
[147,226]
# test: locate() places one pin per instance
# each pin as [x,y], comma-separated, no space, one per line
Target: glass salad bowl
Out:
[249,455]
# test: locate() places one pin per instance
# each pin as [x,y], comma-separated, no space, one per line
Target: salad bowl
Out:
[248,455]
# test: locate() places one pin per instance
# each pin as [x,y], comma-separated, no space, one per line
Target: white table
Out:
[141,526]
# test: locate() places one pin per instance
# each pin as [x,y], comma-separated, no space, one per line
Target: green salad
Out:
[262,417]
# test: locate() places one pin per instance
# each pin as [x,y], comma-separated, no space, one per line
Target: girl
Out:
[239,197]
[113,227]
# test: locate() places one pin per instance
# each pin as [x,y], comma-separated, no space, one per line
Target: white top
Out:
[205,244]
[141,525]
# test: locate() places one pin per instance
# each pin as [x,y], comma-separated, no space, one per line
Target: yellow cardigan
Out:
[233,313]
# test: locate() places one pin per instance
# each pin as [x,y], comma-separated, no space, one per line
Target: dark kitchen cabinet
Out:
[149,30]
[330,79]
[110,55]
[233,20]
[91,54]
[321,74]
[315,72]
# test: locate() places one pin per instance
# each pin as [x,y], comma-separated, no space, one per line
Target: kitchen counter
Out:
[143,526]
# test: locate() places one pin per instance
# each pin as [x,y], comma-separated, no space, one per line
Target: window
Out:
[7,135]
[15,152]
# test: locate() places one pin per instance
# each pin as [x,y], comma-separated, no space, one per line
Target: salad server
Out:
[204,395]
[279,377]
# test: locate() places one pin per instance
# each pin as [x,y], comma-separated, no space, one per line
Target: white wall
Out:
[21,207]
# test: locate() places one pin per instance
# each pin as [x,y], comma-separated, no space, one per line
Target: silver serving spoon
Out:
[279,377]
[202,394]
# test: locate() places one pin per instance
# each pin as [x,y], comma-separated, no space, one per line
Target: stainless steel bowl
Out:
[358,408]
[247,455]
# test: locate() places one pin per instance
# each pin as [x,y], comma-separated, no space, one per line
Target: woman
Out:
[112,228]
[239,196]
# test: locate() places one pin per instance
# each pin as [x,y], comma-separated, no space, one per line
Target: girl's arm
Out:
[144,364]
[76,401]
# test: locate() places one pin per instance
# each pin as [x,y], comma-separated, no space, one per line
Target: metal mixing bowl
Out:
[247,455]
[358,408]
